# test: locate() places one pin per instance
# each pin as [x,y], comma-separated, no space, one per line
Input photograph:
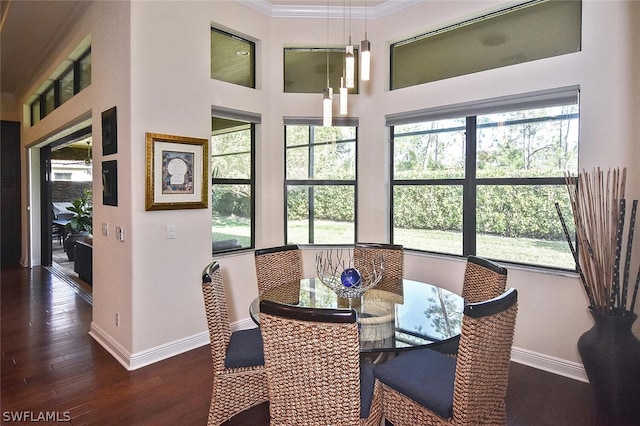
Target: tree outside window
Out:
[320,186]
[486,184]
[232,185]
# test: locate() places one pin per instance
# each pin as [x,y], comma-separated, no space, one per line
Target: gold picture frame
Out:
[176,172]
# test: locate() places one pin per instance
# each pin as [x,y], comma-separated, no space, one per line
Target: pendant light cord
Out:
[327,43]
[365,19]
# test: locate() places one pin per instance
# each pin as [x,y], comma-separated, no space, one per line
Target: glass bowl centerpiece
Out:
[335,269]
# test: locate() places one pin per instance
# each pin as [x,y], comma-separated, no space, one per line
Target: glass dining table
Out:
[420,315]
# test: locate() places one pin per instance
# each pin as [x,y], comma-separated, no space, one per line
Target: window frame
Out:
[501,42]
[38,106]
[252,56]
[252,120]
[312,123]
[334,55]
[470,183]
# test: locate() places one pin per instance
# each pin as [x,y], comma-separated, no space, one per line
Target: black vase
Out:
[611,357]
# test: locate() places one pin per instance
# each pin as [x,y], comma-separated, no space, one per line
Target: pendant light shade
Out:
[365,59]
[327,94]
[365,51]
[350,67]
[327,106]
[343,97]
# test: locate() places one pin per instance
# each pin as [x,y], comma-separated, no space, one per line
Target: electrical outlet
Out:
[105,229]
[117,319]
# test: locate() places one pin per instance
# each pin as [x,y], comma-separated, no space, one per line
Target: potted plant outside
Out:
[609,350]
[80,226]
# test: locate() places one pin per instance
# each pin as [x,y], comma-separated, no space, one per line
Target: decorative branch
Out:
[599,213]
[616,296]
[575,256]
[627,263]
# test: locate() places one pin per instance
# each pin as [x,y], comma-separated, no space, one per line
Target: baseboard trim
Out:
[119,352]
[133,361]
[242,325]
[162,352]
[562,367]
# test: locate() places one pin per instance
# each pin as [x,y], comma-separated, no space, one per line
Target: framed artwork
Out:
[109,132]
[110,183]
[176,172]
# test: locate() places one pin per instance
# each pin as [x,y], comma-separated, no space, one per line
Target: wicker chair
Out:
[315,377]
[393,255]
[429,388]
[483,280]
[239,377]
[278,265]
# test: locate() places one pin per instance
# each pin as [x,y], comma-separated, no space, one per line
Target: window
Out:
[232,180]
[66,85]
[526,32]
[60,89]
[47,100]
[232,59]
[320,182]
[83,71]
[305,69]
[61,176]
[483,178]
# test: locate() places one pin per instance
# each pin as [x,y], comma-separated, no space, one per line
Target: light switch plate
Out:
[119,233]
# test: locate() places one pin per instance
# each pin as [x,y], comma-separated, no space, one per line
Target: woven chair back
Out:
[483,280]
[482,366]
[313,365]
[393,256]
[276,266]
[234,389]
[215,303]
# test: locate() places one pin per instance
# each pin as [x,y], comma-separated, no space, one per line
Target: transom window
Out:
[70,82]
[523,32]
[233,58]
[320,183]
[305,69]
[486,183]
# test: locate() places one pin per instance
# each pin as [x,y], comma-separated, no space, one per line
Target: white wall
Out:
[151,59]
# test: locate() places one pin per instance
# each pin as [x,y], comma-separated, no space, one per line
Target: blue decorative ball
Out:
[350,277]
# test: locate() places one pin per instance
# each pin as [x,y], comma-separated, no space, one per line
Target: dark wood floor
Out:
[51,365]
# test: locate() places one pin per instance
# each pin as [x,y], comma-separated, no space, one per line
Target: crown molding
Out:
[314,11]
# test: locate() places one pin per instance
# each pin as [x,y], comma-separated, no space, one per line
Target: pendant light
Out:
[350,60]
[327,94]
[350,65]
[343,97]
[365,51]
[344,92]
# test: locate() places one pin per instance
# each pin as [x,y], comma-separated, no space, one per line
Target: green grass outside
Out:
[521,250]
[232,228]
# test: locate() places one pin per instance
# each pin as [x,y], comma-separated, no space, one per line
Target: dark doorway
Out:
[10,198]
[66,171]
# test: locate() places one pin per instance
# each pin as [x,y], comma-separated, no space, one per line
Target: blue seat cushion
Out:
[367,380]
[423,375]
[245,349]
